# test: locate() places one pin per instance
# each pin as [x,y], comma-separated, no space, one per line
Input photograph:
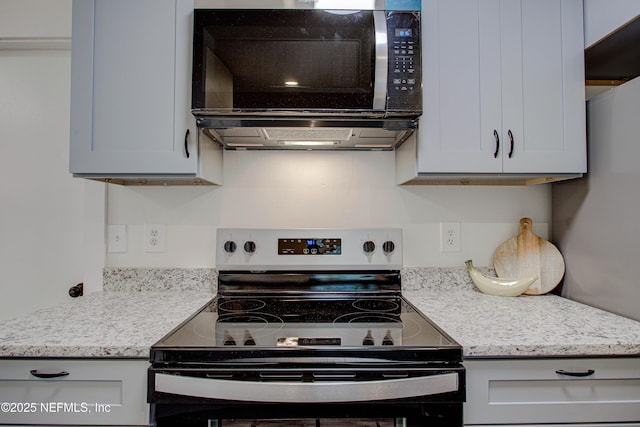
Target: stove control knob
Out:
[248,339]
[249,246]
[229,246]
[368,339]
[228,339]
[387,340]
[388,247]
[368,247]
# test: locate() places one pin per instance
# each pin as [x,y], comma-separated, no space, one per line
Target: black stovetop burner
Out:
[356,314]
[310,310]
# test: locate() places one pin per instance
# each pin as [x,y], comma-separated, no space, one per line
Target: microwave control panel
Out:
[404,84]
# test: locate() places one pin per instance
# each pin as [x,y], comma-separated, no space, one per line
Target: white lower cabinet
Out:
[553,392]
[93,392]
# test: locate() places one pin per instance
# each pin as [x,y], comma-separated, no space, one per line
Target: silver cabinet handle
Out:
[306,392]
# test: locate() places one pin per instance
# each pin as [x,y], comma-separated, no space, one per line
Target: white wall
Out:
[596,218]
[35,19]
[322,189]
[49,222]
[52,226]
[602,17]
[40,207]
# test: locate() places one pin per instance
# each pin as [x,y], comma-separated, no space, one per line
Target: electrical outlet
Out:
[450,237]
[116,238]
[154,237]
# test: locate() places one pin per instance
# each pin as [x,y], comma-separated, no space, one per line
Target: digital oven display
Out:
[306,246]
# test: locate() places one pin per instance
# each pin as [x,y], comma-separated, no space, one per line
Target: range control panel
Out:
[306,246]
[309,249]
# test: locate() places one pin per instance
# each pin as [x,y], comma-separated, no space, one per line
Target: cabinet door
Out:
[543,103]
[543,391]
[127,96]
[93,392]
[497,72]
[461,87]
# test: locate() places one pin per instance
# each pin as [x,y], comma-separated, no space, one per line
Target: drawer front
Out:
[531,391]
[95,392]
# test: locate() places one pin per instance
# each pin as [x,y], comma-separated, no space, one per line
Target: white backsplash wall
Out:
[321,189]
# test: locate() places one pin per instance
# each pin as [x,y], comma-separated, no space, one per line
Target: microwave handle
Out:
[382,60]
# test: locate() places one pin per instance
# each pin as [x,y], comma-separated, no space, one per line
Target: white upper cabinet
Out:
[503,91]
[131,93]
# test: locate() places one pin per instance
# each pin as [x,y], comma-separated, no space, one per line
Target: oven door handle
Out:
[381,69]
[306,392]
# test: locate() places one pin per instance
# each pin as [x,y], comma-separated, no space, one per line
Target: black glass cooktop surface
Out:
[367,317]
[245,324]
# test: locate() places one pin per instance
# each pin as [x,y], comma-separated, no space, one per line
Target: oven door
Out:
[319,396]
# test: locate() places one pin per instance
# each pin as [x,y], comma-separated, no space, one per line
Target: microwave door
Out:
[289,60]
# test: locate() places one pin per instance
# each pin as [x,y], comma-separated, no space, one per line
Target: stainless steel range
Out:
[309,327]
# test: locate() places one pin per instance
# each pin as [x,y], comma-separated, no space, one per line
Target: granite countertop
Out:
[527,326]
[523,326]
[101,324]
[130,316]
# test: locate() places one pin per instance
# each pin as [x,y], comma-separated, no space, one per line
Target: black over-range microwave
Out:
[304,59]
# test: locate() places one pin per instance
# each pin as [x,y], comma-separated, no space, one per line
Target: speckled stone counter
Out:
[159,279]
[523,326]
[548,325]
[101,324]
[131,315]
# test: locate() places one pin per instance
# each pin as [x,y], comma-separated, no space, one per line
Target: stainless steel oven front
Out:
[323,394]
[309,327]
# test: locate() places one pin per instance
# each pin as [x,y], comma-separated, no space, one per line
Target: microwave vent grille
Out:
[308,134]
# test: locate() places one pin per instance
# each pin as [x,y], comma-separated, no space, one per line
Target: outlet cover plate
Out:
[154,238]
[116,238]
[450,237]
